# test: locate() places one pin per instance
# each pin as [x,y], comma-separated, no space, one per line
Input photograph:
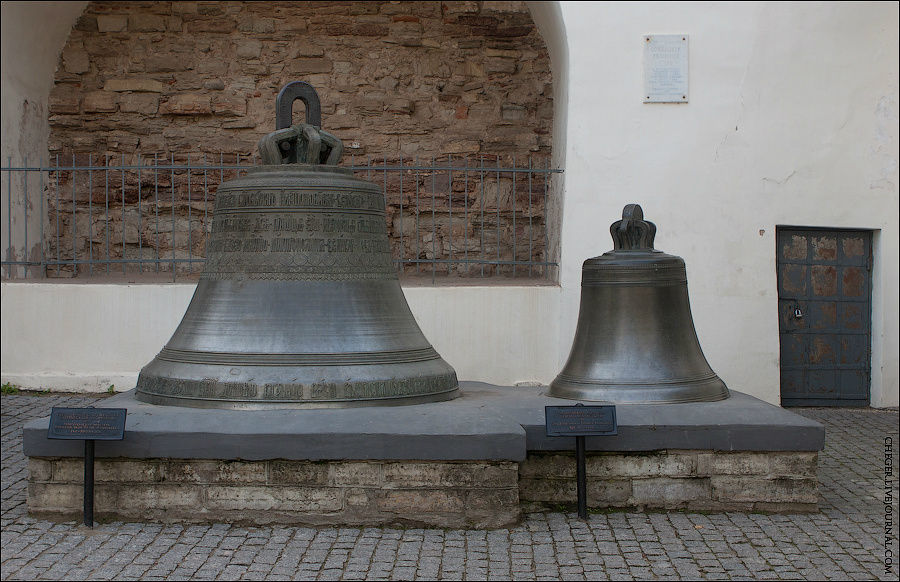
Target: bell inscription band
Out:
[299,305]
[635,341]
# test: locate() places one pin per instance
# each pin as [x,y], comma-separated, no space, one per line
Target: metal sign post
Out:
[89,482]
[580,421]
[87,424]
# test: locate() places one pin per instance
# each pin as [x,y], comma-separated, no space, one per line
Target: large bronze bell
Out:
[299,305]
[635,341]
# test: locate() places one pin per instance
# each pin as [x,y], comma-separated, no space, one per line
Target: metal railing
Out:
[86,215]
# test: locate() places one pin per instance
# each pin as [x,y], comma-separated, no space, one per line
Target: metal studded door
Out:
[824,308]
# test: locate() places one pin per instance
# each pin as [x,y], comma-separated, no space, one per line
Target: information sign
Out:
[580,420]
[101,424]
[88,425]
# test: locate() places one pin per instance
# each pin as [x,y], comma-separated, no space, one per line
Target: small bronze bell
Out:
[635,341]
[299,305]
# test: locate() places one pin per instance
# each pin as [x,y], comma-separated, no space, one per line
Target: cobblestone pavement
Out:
[846,540]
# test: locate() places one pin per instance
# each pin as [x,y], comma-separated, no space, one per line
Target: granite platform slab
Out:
[488,422]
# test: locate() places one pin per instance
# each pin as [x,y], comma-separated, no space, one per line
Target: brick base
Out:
[429,493]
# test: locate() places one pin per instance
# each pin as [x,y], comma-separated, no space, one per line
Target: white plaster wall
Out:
[792,120]
[76,337]
[73,337]
[547,17]
[33,34]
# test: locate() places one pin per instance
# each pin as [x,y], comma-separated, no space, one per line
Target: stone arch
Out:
[397,80]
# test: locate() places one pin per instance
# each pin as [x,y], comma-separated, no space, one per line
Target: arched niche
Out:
[398,80]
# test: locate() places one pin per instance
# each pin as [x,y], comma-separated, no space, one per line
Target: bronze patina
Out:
[635,341]
[299,304]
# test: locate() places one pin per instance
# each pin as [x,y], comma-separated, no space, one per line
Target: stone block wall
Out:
[441,494]
[401,83]
[481,494]
[695,480]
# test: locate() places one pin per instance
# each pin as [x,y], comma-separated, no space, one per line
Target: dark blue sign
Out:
[580,420]
[102,424]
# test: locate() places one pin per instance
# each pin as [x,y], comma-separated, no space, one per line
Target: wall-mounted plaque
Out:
[665,68]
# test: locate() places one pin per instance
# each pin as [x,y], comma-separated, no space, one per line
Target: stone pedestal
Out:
[776,481]
[435,494]
[470,462]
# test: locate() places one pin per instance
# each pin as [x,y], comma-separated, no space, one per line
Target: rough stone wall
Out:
[400,83]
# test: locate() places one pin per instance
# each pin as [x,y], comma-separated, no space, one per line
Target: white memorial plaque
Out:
[665,68]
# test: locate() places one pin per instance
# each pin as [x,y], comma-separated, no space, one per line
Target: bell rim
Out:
[710,389]
[617,398]
[312,386]
[297,359]
[248,404]
[711,376]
